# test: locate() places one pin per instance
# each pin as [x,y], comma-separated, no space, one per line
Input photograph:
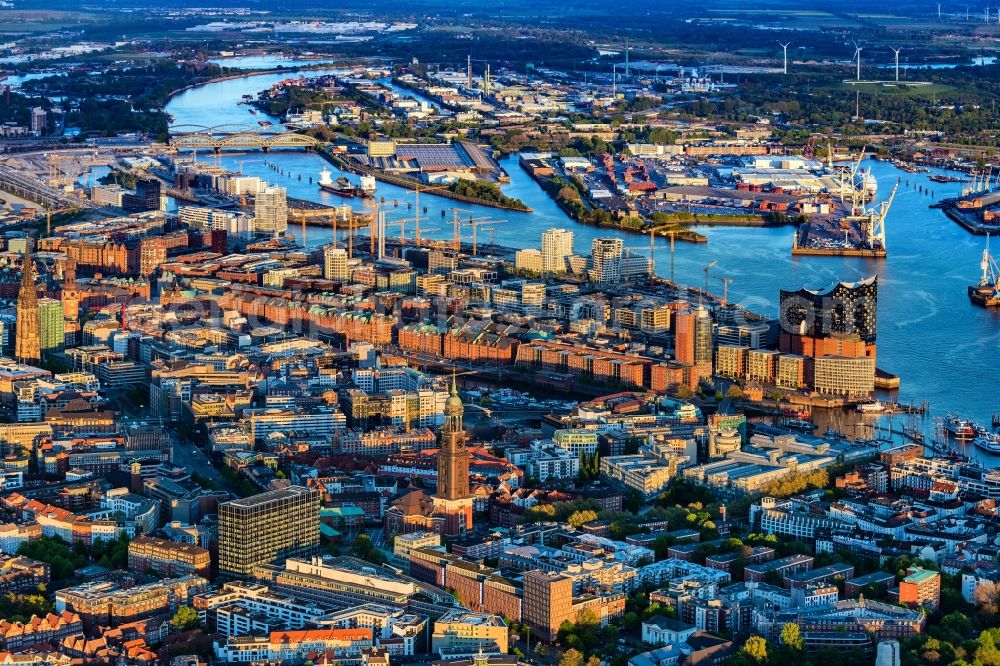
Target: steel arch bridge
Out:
[239,137]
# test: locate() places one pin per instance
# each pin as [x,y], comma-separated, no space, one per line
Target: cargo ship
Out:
[945,179]
[987,292]
[342,187]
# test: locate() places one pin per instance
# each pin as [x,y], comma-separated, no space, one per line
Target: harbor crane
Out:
[990,276]
[873,222]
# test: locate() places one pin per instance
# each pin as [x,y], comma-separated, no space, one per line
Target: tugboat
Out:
[987,292]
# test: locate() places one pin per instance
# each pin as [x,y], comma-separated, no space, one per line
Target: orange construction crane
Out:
[416,204]
[457,222]
[725,289]
[475,224]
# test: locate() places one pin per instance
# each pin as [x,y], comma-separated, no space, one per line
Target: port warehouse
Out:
[460,157]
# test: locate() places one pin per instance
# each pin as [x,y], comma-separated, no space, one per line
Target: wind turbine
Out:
[784,48]
[896,51]
[857,56]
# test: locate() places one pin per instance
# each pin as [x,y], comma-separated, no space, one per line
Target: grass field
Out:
[35,21]
[932,90]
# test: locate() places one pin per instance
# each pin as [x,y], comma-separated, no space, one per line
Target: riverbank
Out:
[410,184]
[243,74]
[967,220]
[712,220]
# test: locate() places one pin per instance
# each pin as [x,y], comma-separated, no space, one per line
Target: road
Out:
[186,454]
[193,459]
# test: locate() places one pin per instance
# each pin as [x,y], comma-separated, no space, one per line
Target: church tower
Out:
[28,343]
[70,292]
[453,500]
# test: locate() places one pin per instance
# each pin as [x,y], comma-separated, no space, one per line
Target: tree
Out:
[579,518]
[791,636]
[185,619]
[571,657]
[756,649]
[363,548]
[593,660]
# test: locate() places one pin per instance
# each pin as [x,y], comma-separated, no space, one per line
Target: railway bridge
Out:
[238,137]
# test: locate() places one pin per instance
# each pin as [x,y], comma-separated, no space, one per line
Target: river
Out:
[944,348]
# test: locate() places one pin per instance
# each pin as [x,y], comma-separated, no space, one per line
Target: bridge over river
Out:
[238,137]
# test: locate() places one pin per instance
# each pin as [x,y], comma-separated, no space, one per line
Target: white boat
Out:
[988,442]
[865,182]
[324,177]
[368,183]
[869,407]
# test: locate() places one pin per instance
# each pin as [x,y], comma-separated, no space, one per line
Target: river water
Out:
[946,350]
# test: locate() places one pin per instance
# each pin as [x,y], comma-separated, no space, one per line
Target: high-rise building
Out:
[548,602]
[39,120]
[51,327]
[335,266]
[834,331]
[684,336]
[845,308]
[693,335]
[693,340]
[146,197]
[557,244]
[453,499]
[263,528]
[28,342]
[271,211]
[702,335]
[606,260]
